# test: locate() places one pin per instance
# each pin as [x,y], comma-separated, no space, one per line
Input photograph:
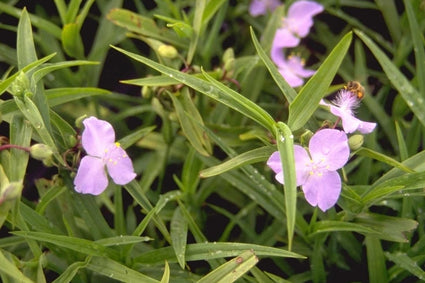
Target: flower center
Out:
[317,167]
[114,153]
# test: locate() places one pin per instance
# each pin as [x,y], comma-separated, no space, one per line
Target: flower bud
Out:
[43,153]
[11,191]
[167,51]
[79,121]
[146,92]
[355,142]
[20,86]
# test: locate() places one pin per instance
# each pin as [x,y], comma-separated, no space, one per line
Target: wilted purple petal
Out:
[97,136]
[119,165]
[91,176]
[323,190]
[343,107]
[300,16]
[330,147]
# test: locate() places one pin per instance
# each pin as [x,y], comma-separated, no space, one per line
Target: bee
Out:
[355,88]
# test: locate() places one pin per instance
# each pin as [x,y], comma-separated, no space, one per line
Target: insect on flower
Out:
[355,88]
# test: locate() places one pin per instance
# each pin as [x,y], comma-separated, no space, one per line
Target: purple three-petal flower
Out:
[316,172]
[98,140]
[296,24]
[292,69]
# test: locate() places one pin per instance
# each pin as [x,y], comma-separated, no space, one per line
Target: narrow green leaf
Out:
[166,276]
[7,268]
[31,113]
[285,145]
[249,157]
[44,70]
[143,25]
[326,226]
[240,103]
[375,260]
[403,152]
[397,184]
[189,127]
[405,262]
[384,158]
[117,271]
[389,228]
[20,134]
[286,89]
[197,26]
[410,95]
[307,100]
[206,251]
[38,22]
[178,231]
[25,42]
[61,7]
[389,12]
[71,40]
[231,270]
[72,270]
[6,83]
[76,244]
[212,89]
[418,45]
[122,240]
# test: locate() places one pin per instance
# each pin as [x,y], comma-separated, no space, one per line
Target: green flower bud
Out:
[146,92]
[167,51]
[229,55]
[72,141]
[79,121]
[11,191]
[43,153]
[355,142]
[20,86]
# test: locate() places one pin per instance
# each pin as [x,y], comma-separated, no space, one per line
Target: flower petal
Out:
[91,176]
[296,64]
[323,190]
[331,147]
[301,170]
[366,127]
[97,136]
[260,7]
[119,165]
[302,162]
[292,79]
[274,162]
[284,38]
[300,16]
[257,7]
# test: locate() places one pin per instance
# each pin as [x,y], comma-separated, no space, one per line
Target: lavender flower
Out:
[343,107]
[293,70]
[316,169]
[296,24]
[260,7]
[98,140]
